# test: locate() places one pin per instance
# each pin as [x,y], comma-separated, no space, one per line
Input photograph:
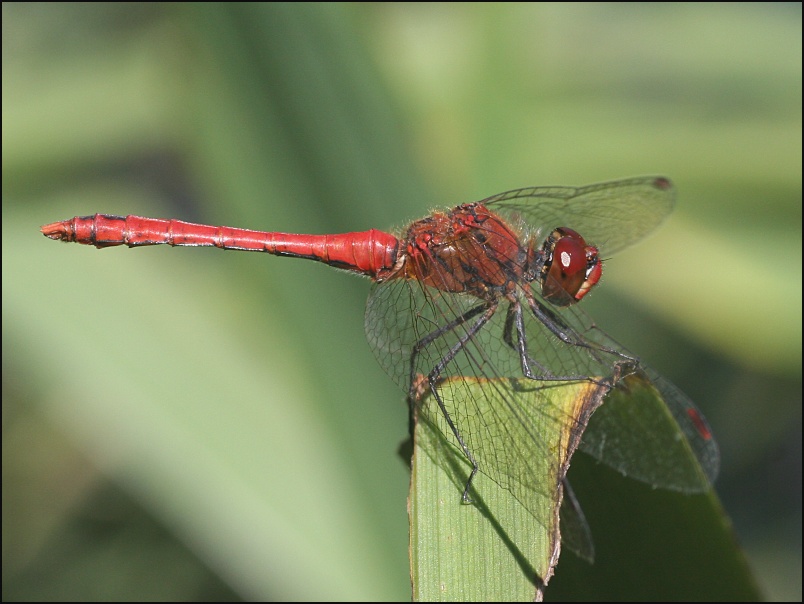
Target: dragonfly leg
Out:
[568,335]
[488,310]
[532,369]
[514,318]
[433,336]
[415,379]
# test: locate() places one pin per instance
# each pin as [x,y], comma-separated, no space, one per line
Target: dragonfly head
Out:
[571,267]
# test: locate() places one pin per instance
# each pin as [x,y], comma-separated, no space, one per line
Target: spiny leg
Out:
[515,322]
[565,333]
[514,318]
[432,336]
[435,373]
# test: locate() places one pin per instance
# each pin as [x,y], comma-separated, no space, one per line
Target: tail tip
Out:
[57,231]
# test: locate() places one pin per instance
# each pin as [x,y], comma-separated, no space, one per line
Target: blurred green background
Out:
[188,424]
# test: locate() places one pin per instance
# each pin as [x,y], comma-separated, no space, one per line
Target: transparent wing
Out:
[646,428]
[649,430]
[503,419]
[610,215]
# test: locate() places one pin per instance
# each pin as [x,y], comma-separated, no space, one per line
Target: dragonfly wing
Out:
[647,428]
[521,432]
[611,215]
[575,533]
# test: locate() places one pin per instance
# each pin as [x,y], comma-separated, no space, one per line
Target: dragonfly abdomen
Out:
[372,253]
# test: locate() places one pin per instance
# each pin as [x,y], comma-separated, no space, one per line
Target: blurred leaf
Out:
[651,545]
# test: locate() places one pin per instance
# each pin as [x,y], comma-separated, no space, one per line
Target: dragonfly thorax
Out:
[467,250]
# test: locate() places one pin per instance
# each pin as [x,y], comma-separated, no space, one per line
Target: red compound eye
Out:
[572,268]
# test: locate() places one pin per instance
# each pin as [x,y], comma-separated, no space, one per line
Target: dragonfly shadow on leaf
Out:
[540,506]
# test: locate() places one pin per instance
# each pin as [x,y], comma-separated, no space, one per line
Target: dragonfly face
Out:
[571,267]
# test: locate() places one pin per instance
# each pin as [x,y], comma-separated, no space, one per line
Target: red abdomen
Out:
[372,253]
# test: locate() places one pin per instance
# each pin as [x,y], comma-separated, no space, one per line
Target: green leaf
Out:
[506,545]
[651,544]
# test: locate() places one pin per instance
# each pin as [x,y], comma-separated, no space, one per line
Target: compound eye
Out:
[572,267]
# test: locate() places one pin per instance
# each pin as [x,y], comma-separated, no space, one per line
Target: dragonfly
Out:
[467,298]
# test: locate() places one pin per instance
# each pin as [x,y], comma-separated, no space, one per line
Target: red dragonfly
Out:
[489,290]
